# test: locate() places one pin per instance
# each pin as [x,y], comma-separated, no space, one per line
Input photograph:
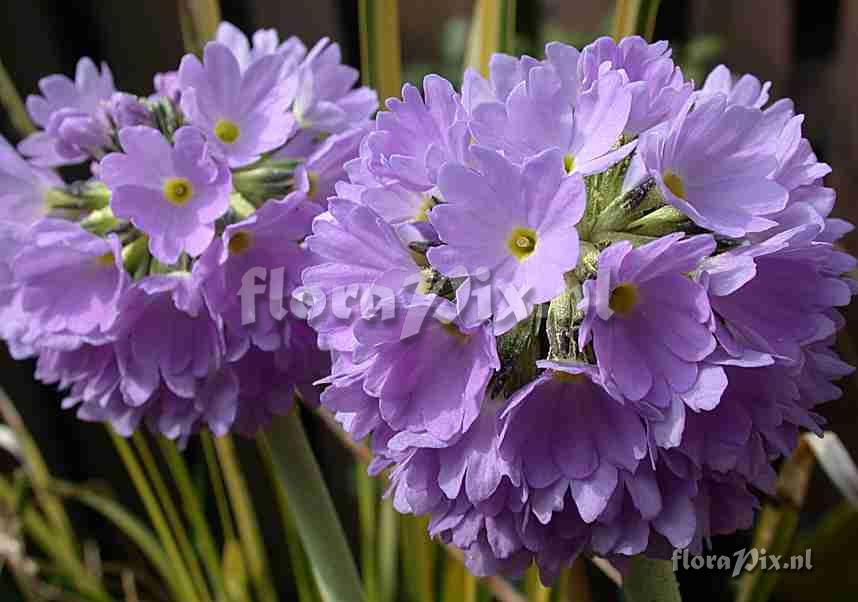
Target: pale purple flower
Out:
[166,336]
[516,222]
[267,241]
[67,111]
[172,193]
[70,282]
[657,86]
[649,323]
[710,165]
[326,100]
[415,137]
[23,186]
[263,43]
[243,114]
[537,116]
[746,91]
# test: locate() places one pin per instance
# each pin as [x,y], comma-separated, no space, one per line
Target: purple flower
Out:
[325,100]
[71,282]
[710,165]
[126,110]
[356,250]
[565,431]
[746,91]
[249,251]
[777,295]
[649,323]
[414,138]
[173,194]
[68,112]
[657,86]
[23,186]
[166,337]
[264,42]
[537,115]
[404,372]
[517,222]
[243,114]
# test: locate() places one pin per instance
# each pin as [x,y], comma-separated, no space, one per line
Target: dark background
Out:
[807,48]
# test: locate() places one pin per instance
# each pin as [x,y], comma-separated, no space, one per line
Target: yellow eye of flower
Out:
[240,242]
[425,207]
[568,377]
[674,183]
[522,243]
[454,331]
[313,179]
[623,299]
[178,191]
[227,131]
[105,260]
[569,162]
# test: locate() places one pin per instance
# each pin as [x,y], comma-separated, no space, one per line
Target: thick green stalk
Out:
[651,580]
[635,17]
[492,30]
[195,513]
[317,521]
[381,57]
[367,512]
[199,20]
[13,105]
[218,487]
[245,517]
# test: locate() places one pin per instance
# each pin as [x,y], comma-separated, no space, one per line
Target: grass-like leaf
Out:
[381,58]
[492,30]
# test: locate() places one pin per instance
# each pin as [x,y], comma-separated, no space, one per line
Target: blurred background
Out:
[808,49]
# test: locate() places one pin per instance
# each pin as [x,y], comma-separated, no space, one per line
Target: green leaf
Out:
[492,30]
[388,552]
[650,580]
[317,522]
[635,17]
[381,57]
[367,505]
[535,591]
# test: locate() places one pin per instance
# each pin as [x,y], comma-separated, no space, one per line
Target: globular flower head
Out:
[68,112]
[518,222]
[710,165]
[243,114]
[173,194]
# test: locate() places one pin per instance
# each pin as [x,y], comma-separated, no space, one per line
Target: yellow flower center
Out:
[522,243]
[178,190]
[105,260]
[240,242]
[623,299]
[569,162]
[425,207]
[674,183]
[227,131]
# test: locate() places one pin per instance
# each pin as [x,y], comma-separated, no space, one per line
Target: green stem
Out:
[147,496]
[651,580]
[195,512]
[199,20]
[14,106]
[492,30]
[635,17]
[245,518]
[379,46]
[175,522]
[318,524]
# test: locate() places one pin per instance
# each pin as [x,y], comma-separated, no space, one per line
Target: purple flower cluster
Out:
[126,287]
[627,294]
